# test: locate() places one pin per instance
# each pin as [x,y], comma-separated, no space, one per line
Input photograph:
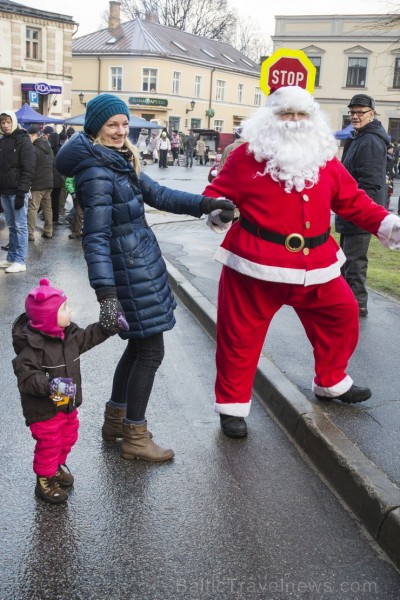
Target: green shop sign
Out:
[148,101]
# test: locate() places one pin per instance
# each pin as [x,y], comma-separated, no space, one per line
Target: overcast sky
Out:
[88,13]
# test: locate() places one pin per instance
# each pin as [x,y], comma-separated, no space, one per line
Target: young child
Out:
[47,367]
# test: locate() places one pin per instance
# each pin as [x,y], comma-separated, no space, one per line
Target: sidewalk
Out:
[355,448]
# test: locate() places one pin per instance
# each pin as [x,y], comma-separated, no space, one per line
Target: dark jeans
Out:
[134,374]
[55,206]
[175,153]
[355,246]
[163,158]
[189,157]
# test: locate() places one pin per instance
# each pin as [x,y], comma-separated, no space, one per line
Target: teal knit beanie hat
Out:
[101,108]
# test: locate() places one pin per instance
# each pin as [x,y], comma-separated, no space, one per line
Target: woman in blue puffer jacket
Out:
[124,260]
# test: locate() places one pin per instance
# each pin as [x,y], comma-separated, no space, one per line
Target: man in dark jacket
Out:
[190,146]
[16,172]
[42,185]
[365,159]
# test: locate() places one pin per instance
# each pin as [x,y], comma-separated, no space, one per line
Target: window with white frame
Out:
[356,72]
[32,41]
[218,125]
[240,92]
[396,74]
[257,96]
[220,90]
[116,78]
[316,61]
[176,83]
[149,80]
[198,82]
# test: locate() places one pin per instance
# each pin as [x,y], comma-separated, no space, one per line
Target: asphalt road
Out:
[246,519]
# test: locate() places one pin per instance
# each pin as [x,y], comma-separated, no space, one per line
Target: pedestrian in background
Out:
[124,260]
[200,150]
[48,346]
[175,146]
[164,146]
[285,180]
[16,172]
[58,182]
[190,146]
[78,212]
[41,186]
[365,158]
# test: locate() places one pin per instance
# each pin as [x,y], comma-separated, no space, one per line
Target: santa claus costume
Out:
[285,181]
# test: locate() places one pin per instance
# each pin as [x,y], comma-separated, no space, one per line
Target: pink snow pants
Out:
[54,440]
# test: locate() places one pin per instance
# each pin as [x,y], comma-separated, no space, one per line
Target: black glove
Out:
[227,208]
[19,200]
[112,317]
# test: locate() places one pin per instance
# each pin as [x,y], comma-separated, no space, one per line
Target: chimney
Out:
[152,17]
[114,18]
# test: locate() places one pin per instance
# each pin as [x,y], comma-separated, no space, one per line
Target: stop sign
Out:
[287,67]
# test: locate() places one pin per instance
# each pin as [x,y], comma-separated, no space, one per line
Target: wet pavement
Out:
[356,447]
[227,519]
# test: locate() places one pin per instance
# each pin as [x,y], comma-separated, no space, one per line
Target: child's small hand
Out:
[60,387]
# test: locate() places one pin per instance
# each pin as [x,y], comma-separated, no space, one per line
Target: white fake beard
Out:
[295,151]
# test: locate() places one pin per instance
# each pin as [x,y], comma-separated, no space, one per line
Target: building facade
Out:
[352,54]
[165,75]
[35,59]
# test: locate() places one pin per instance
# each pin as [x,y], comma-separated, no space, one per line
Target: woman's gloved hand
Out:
[112,317]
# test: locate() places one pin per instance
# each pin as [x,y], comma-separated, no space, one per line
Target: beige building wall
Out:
[92,75]
[334,39]
[53,65]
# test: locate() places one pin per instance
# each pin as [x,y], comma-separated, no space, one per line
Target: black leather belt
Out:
[293,242]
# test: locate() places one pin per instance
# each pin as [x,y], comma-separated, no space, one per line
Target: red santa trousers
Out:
[246,306]
[54,440]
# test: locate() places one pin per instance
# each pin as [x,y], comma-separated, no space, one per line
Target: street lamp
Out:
[192,105]
[81,97]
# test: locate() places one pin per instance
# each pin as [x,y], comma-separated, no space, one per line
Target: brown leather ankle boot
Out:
[112,426]
[137,443]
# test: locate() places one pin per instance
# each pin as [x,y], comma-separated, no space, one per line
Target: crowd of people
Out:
[30,185]
[168,147]
[284,177]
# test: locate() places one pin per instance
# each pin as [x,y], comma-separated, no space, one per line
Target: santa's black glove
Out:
[19,200]
[112,317]
[226,208]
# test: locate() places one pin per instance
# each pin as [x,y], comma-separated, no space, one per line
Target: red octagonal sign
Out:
[287,71]
[287,67]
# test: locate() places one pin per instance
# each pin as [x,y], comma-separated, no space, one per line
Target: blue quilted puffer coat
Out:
[120,249]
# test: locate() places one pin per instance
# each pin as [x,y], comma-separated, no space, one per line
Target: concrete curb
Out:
[363,487]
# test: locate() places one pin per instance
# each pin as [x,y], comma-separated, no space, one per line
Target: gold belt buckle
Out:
[294,236]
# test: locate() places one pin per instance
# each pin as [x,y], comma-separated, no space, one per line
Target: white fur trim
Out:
[280,274]
[336,390]
[234,409]
[389,232]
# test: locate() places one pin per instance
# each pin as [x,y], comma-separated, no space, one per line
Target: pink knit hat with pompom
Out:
[41,306]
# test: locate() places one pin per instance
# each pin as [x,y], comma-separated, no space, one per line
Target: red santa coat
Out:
[264,202]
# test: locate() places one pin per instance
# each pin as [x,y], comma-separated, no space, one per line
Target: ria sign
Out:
[45,88]
[287,67]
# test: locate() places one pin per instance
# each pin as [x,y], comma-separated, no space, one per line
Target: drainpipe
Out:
[210,96]
[98,75]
